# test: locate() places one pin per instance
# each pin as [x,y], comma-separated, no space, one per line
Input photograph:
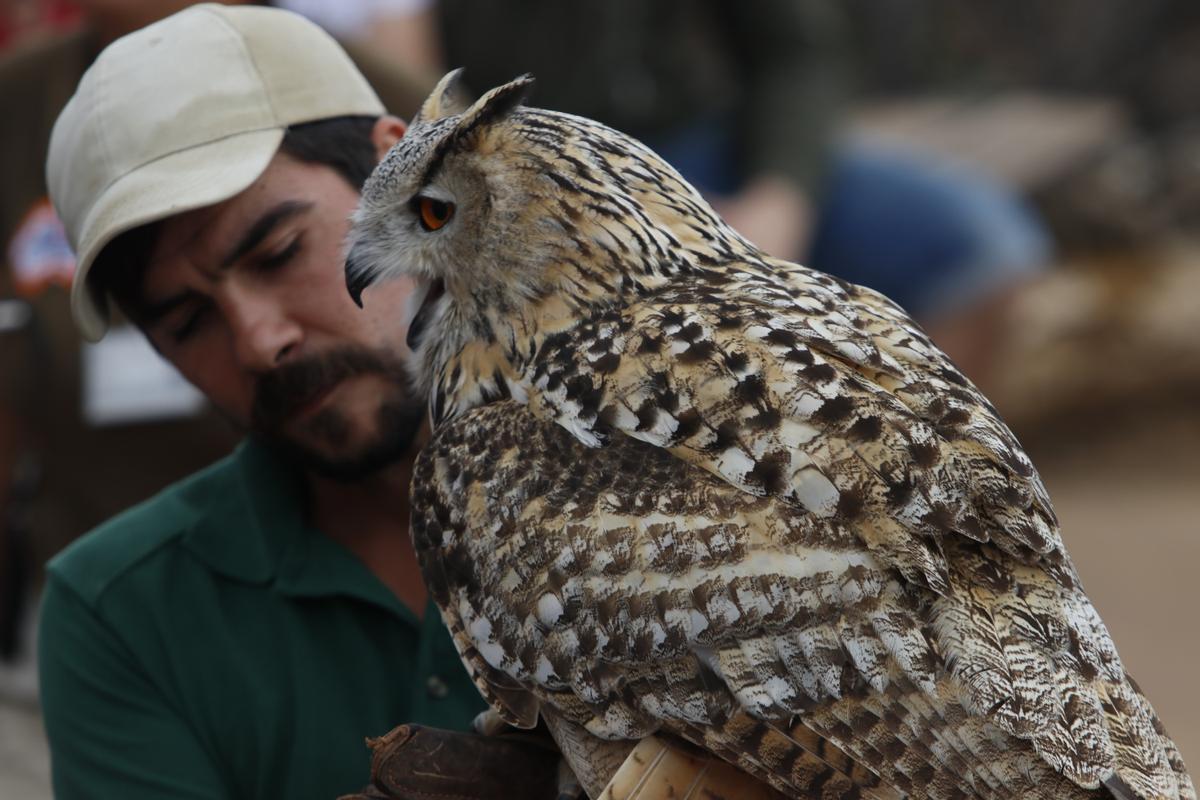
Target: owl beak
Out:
[358,278]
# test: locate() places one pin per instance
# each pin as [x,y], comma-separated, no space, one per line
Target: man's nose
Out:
[263,332]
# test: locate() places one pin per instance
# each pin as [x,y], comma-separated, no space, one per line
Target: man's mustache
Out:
[278,394]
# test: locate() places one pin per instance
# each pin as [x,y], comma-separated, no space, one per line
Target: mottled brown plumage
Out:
[679,486]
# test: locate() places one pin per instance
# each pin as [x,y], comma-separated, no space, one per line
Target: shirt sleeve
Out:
[111,732]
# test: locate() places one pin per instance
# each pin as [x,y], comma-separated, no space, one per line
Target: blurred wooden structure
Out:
[1026,140]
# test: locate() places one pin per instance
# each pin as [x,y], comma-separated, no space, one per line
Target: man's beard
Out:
[279,394]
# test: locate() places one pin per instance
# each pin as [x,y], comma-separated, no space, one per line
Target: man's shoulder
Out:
[136,536]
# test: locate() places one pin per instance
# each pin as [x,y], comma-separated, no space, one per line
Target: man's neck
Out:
[370,518]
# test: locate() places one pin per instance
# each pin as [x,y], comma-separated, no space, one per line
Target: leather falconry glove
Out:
[414,762]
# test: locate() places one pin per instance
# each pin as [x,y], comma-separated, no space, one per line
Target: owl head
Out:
[492,207]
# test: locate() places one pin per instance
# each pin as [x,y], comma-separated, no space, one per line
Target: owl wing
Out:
[635,592]
[788,384]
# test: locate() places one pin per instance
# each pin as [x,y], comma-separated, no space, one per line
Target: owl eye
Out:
[433,214]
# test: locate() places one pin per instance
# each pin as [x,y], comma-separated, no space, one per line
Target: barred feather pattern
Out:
[679,486]
[762,634]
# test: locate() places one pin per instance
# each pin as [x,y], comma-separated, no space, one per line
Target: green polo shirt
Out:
[208,643]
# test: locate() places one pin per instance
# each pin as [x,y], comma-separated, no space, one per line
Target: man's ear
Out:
[387,131]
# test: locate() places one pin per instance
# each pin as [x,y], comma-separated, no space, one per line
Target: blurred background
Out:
[1023,176]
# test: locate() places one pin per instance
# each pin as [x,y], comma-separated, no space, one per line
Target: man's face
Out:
[248,300]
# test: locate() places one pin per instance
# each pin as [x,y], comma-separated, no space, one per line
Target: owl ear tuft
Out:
[494,105]
[445,100]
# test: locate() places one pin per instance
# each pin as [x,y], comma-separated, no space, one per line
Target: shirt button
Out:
[436,687]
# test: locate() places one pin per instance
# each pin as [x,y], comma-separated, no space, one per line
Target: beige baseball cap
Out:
[183,114]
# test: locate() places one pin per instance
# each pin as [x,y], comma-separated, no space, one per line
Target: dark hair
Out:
[341,143]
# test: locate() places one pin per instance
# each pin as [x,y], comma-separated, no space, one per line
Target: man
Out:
[80,442]
[239,634]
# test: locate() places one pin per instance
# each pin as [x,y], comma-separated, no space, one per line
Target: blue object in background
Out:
[933,236]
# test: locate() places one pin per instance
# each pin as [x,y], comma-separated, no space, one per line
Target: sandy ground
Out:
[24,762]
[1128,496]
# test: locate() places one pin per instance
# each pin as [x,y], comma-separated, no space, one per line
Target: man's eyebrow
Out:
[262,227]
[154,311]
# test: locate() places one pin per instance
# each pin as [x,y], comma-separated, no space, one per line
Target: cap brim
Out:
[189,179]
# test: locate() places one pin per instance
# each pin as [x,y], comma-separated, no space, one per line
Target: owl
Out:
[679,487]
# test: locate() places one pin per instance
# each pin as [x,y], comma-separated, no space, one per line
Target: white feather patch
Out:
[734,463]
[549,609]
[815,492]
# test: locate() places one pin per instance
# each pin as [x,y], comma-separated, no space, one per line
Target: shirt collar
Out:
[246,522]
[253,530]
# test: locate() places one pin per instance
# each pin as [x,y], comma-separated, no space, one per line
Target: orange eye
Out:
[433,213]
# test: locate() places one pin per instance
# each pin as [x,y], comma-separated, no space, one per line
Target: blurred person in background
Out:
[747,100]
[402,32]
[240,633]
[85,430]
